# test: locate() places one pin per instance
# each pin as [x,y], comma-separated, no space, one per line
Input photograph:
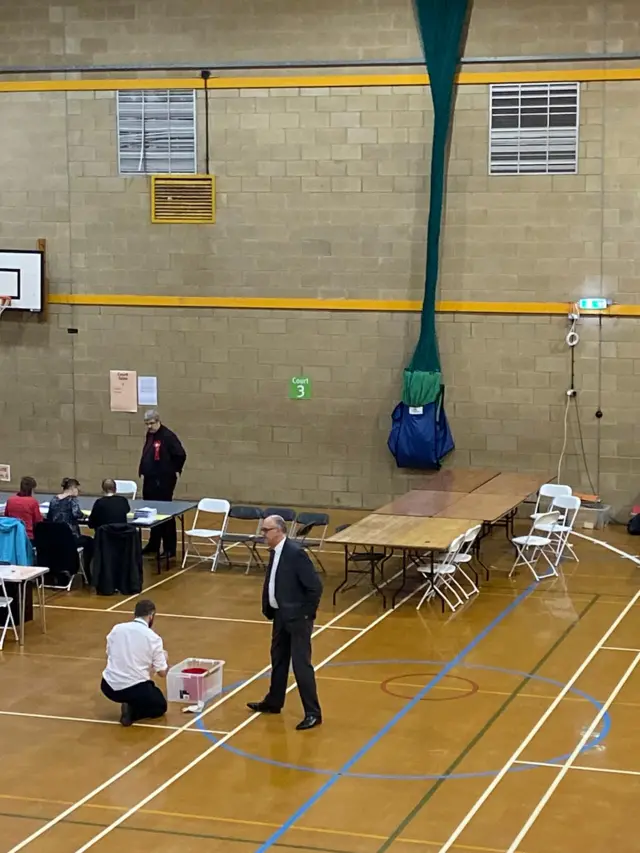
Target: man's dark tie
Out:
[272,555]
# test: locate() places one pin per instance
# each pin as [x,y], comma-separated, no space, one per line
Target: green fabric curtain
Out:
[442,25]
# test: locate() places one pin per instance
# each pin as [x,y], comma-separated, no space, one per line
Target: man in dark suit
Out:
[161,463]
[290,598]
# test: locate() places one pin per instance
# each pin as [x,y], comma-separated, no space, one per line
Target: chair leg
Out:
[428,592]
[81,564]
[8,621]
[315,557]
[214,561]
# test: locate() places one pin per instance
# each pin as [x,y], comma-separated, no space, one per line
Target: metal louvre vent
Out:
[156,131]
[534,129]
[183,200]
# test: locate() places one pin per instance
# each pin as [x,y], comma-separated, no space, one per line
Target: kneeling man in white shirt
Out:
[134,653]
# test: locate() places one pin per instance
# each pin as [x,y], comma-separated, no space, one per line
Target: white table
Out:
[21,576]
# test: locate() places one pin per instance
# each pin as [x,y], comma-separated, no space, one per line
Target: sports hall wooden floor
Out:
[440,733]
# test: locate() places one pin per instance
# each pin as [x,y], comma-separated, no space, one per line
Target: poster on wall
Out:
[123,390]
[147,390]
[5,473]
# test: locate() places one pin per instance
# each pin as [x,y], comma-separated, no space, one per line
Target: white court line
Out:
[544,799]
[534,731]
[159,583]
[176,776]
[129,767]
[190,616]
[101,722]
[619,649]
[148,589]
[580,767]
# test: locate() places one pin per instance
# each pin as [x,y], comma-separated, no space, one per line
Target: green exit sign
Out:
[300,388]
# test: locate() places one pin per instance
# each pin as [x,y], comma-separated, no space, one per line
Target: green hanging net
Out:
[442,25]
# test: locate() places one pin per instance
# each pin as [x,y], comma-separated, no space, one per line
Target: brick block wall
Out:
[78,32]
[322,192]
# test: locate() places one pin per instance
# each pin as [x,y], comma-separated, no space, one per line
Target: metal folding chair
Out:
[5,602]
[198,536]
[306,522]
[443,578]
[250,539]
[531,547]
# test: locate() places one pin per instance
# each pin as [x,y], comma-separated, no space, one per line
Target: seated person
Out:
[110,508]
[24,506]
[134,653]
[65,509]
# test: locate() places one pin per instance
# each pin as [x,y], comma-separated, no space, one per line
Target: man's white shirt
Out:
[277,553]
[134,653]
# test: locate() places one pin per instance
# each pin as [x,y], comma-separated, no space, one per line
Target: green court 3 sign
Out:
[300,388]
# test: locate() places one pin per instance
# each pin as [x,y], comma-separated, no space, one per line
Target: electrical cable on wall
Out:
[572,340]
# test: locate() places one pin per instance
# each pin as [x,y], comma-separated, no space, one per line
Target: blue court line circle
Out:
[421,777]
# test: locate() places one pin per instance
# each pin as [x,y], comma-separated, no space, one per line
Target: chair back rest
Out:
[306,521]
[472,534]
[214,506]
[286,514]
[453,549]
[469,538]
[545,518]
[246,513]
[568,506]
[126,488]
[56,547]
[550,491]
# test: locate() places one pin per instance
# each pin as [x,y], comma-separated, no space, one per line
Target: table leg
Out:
[374,583]
[22,607]
[43,611]
[182,533]
[343,582]
[404,578]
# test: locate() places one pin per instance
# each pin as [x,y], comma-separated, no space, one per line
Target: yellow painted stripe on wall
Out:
[466,78]
[407,306]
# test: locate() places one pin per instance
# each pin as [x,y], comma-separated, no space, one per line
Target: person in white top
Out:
[134,653]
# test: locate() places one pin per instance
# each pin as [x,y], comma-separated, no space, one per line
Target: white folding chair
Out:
[126,488]
[531,547]
[207,536]
[568,506]
[465,557]
[6,601]
[546,495]
[443,578]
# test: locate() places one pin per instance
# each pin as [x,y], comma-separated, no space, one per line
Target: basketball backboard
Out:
[22,278]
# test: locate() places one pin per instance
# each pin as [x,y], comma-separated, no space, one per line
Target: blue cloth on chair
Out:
[15,547]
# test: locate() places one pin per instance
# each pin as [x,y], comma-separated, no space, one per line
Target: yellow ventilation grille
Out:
[183,199]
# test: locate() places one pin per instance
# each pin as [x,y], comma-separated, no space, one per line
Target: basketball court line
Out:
[192,723]
[101,722]
[536,728]
[204,836]
[163,581]
[375,739]
[194,762]
[544,799]
[162,614]
[620,649]
[581,767]
[237,822]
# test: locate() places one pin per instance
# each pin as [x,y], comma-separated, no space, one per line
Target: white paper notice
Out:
[147,390]
[123,389]
[5,473]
